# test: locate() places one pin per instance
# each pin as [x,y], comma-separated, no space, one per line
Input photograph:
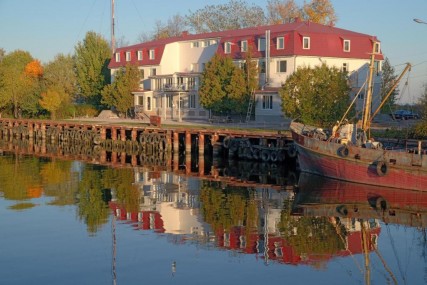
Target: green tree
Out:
[118,94]
[19,83]
[420,129]
[232,15]
[223,87]
[388,79]
[317,96]
[60,75]
[250,70]
[91,64]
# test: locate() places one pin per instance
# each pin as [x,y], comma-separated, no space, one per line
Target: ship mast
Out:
[113,39]
[368,101]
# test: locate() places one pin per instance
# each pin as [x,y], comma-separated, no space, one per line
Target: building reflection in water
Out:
[311,224]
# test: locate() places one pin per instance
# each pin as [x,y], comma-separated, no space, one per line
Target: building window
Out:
[205,43]
[141,74]
[280,43]
[345,67]
[191,82]
[140,55]
[281,66]
[128,56]
[377,67]
[169,101]
[117,57]
[194,44]
[261,44]
[306,42]
[244,46]
[261,66]
[227,47]
[153,72]
[377,47]
[141,100]
[148,104]
[152,55]
[194,67]
[267,102]
[346,46]
[192,101]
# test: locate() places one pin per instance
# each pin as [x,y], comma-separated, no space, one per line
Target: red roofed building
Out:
[171,68]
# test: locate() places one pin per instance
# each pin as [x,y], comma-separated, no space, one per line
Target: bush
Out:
[86,110]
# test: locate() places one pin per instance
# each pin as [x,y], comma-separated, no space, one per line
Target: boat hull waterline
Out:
[388,168]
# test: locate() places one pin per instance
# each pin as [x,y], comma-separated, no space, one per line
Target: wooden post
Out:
[187,143]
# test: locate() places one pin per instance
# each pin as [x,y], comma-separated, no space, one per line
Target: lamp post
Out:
[419,21]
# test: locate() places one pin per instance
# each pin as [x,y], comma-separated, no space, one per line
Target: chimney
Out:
[184,33]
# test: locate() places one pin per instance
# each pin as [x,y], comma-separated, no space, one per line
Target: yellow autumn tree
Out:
[320,11]
[51,101]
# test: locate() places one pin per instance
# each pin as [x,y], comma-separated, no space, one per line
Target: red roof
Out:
[325,41]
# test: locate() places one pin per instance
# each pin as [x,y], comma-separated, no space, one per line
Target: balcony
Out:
[177,87]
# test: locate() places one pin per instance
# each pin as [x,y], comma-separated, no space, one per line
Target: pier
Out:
[174,148]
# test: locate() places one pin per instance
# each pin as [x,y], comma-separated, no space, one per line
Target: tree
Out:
[233,15]
[388,79]
[19,83]
[223,86]
[60,75]
[420,128]
[250,69]
[2,54]
[51,101]
[317,96]
[118,94]
[319,11]
[174,27]
[34,69]
[279,12]
[91,65]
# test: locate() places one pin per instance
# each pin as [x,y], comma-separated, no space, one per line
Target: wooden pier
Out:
[174,148]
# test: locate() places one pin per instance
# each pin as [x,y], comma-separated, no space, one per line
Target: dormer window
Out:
[244,46]
[227,47]
[152,55]
[346,46]
[139,55]
[306,42]
[280,43]
[376,47]
[261,44]
[117,57]
[128,56]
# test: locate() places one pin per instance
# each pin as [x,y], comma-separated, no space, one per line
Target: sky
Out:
[46,28]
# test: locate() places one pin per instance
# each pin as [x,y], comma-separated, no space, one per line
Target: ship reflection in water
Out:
[319,231]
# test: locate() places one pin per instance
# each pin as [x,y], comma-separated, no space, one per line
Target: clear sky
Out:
[46,28]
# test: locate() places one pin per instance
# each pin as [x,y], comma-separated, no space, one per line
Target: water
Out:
[67,222]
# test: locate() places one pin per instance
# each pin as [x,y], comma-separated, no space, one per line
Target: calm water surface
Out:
[66,222]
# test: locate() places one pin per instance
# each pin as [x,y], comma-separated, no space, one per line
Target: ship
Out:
[349,153]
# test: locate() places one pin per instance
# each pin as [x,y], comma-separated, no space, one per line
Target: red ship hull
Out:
[388,168]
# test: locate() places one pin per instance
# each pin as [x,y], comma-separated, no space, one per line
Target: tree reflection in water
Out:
[279,225]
